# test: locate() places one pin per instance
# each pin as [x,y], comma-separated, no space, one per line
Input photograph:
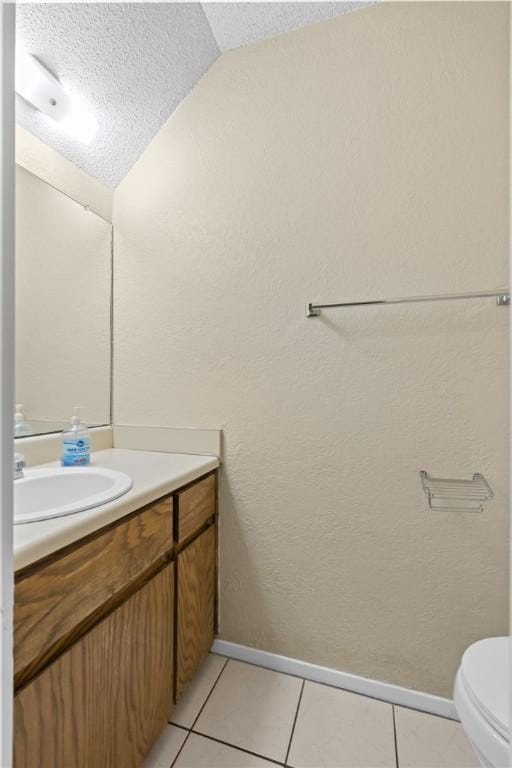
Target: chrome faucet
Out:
[19,465]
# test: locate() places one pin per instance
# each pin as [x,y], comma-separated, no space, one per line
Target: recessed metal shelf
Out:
[449,495]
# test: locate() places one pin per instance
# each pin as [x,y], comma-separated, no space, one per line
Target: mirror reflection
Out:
[63,309]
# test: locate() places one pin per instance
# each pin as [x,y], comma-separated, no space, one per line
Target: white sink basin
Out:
[57,491]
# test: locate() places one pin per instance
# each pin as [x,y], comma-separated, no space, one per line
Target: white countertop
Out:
[153,474]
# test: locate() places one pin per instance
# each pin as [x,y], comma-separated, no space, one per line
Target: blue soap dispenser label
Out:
[76,443]
[75,452]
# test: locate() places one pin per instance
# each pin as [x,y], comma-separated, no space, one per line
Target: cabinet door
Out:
[106,699]
[196,606]
[68,591]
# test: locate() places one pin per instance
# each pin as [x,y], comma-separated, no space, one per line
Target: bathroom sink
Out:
[57,491]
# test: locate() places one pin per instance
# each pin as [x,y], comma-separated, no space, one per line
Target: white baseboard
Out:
[394,694]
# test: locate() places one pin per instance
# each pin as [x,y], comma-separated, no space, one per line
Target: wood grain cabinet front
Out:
[194,506]
[195,615]
[110,630]
[55,601]
[105,700]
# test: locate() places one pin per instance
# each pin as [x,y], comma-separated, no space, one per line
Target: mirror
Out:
[63,308]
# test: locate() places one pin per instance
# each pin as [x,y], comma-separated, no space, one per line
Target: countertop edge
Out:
[28,554]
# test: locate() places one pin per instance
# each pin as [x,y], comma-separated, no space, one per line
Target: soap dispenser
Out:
[76,443]
[21,426]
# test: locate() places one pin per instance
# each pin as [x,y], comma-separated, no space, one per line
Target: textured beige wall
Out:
[362,157]
[40,159]
[63,286]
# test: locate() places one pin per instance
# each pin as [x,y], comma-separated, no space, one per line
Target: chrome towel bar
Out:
[502,296]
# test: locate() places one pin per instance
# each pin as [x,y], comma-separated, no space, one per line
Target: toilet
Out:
[481,697]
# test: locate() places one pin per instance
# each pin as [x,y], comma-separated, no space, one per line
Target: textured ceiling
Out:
[236,24]
[133,63]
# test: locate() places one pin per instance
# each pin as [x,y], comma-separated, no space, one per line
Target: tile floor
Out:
[235,715]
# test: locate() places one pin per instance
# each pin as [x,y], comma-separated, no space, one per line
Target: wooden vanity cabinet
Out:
[109,631]
[195,596]
[104,701]
[195,534]
[58,599]
[194,507]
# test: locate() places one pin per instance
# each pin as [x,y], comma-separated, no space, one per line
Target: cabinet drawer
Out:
[54,603]
[195,506]
[103,702]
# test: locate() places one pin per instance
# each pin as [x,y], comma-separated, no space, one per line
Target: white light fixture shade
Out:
[78,122]
[38,86]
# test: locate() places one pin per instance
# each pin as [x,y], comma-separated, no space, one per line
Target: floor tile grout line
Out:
[189,727]
[180,750]
[422,711]
[227,659]
[294,722]
[338,688]
[237,746]
[205,702]
[176,725]
[395,736]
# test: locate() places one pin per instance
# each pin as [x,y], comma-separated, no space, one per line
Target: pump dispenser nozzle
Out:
[75,419]
[21,427]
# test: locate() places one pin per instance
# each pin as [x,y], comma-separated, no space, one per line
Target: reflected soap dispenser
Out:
[21,426]
[76,443]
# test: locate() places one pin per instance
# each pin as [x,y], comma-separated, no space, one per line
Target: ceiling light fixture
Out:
[41,89]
